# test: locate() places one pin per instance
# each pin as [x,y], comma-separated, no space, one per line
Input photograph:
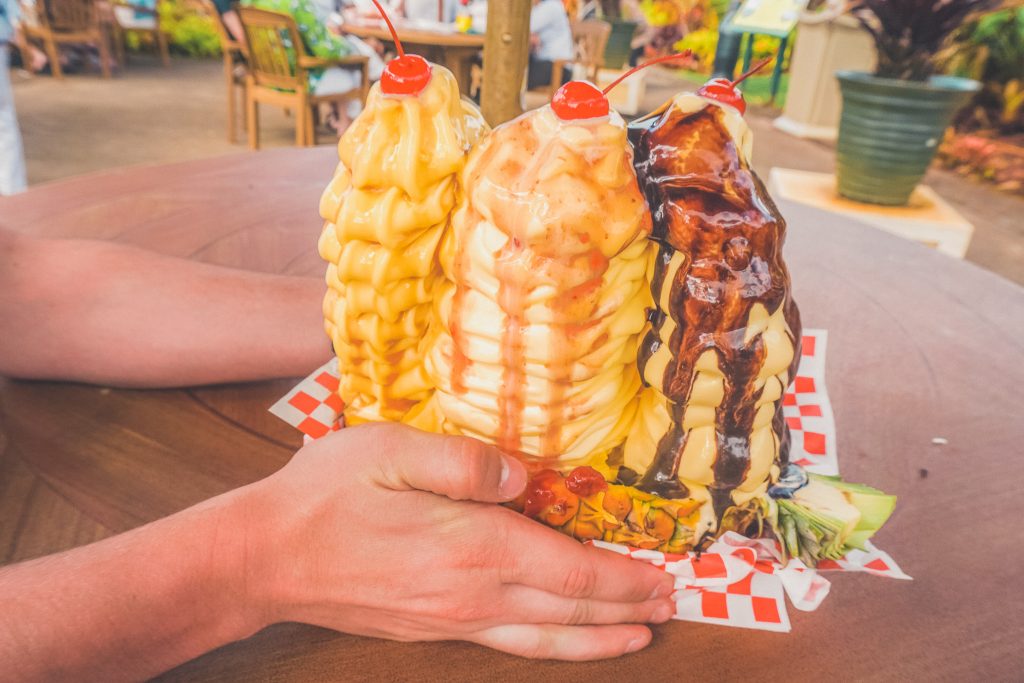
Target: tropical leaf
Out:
[909,34]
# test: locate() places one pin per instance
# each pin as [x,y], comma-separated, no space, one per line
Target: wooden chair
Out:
[620,44]
[279,73]
[129,17]
[235,65]
[590,38]
[62,22]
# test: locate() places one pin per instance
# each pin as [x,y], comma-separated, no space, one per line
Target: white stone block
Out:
[926,219]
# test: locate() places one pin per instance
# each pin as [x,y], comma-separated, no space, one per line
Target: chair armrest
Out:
[308,62]
[556,73]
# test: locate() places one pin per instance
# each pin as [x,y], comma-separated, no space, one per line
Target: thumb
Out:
[458,467]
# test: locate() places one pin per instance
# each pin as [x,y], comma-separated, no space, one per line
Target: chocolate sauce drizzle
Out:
[709,204]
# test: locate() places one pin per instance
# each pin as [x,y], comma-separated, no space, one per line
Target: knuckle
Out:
[370,443]
[580,581]
[537,646]
[465,613]
[509,564]
[467,467]
[581,612]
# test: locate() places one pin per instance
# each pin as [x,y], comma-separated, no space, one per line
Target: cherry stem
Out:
[391,27]
[638,67]
[752,70]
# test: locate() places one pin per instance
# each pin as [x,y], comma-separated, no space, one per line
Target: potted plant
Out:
[894,119]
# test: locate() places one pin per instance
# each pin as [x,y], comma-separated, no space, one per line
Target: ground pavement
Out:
[149,114]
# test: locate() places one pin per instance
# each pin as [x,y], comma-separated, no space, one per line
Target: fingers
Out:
[534,606]
[454,466]
[574,643]
[543,558]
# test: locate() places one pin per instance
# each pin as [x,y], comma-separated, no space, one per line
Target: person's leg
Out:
[233,25]
[635,54]
[12,157]
[337,80]
[32,57]
[539,73]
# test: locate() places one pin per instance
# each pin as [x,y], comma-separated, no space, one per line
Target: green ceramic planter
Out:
[890,130]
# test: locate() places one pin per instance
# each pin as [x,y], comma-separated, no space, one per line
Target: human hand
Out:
[386,531]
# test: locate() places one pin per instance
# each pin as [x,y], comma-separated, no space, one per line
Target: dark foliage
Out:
[910,33]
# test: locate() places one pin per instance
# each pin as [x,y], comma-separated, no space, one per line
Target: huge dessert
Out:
[544,305]
[385,213]
[611,307]
[725,334]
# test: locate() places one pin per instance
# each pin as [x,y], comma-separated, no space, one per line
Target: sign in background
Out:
[768,17]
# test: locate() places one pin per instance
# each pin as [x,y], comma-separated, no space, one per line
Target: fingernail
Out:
[636,644]
[505,471]
[663,589]
[663,613]
[506,487]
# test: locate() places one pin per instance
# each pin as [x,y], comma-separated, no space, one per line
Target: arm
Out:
[543,16]
[107,313]
[131,606]
[387,542]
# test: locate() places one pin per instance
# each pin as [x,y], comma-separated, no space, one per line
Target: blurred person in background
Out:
[129,17]
[478,10]
[12,157]
[359,9]
[631,11]
[229,17]
[32,58]
[427,10]
[587,10]
[319,41]
[550,41]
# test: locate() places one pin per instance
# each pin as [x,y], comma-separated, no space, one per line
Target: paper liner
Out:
[741,581]
[738,581]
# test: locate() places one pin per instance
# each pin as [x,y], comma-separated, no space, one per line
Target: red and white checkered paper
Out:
[741,581]
[738,581]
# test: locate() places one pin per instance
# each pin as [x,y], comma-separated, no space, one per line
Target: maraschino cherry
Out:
[406,74]
[724,91]
[578,100]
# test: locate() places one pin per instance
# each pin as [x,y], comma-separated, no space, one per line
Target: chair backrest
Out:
[620,44]
[274,47]
[591,37]
[69,16]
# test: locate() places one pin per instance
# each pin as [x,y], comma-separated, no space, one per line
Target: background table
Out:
[452,49]
[920,346]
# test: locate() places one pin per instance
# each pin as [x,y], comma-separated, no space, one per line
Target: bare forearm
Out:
[106,313]
[134,605]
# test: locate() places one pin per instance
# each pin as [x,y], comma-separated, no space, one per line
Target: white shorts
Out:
[337,80]
[12,158]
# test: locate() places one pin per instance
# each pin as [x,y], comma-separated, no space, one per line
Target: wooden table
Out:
[452,49]
[920,346]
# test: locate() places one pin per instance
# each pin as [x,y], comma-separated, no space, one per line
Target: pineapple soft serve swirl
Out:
[386,210]
[543,304]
